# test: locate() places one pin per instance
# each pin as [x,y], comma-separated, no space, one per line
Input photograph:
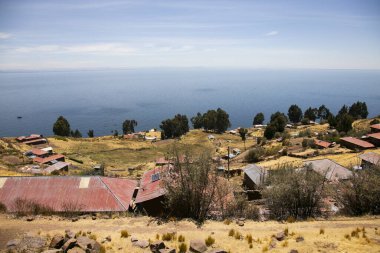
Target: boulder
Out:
[300,239]
[84,242]
[134,239]
[240,223]
[280,236]
[57,241]
[108,238]
[69,234]
[69,244]
[156,246]
[141,244]
[198,246]
[74,219]
[76,250]
[272,244]
[29,243]
[29,218]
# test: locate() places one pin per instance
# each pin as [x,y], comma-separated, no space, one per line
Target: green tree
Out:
[129,126]
[90,133]
[174,128]
[342,111]
[358,110]
[197,121]
[270,131]
[344,123]
[331,119]
[61,127]
[295,113]
[258,119]
[278,120]
[115,133]
[323,112]
[222,121]
[76,134]
[243,134]
[311,113]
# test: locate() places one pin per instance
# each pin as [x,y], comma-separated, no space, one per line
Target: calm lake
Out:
[102,100]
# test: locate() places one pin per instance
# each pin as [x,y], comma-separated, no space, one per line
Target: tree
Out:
[129,126]
[323,112]
[311,113]
[295,113]
[278,120]
[90,133]
[295,193]
[222,121]
[197,121]
[61,127]
[76,134]
[358,110]
[258,119]
[270,131]
[342,111]
[344,123]
[243,134]
[115,133]
[331,119]
[174,128]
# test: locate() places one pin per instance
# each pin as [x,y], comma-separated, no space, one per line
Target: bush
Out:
[124,234]
[24,207]
[181,238]
[249,238]
[209,241]
[168,236]
[231,232]
[182,248]
[3,208]
[255,155]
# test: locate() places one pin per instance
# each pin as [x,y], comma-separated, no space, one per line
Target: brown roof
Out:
[323,144]
[48,159]
[375,136]
[88,194]
[38,152]
[358,142]
[371,157]
[376,126]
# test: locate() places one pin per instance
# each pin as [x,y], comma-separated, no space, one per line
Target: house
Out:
[369,159]
[329,169]
[57,167]
[29,138]
[374,139]
[254,177]
[322,144]
[375,128]
[354,143]
[151,193]
[162,161]
[70,193]
[35,141]
[50,159]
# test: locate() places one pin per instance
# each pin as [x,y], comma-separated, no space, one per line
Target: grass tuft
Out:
[231,232]
[209,241]
[249,238]
[124,234]
[182,248]
[181,238]
[168,237]
[321,231]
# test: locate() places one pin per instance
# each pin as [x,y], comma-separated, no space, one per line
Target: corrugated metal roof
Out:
[358,142]
[38,152]
[323,144]
[150,190]
[48,159]
[56,166]
[375,136]
[376,126]
[371,157]
[255,173]
[101,194]
[330,169]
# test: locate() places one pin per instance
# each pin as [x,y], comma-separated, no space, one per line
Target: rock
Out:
[69,244]
[108,238]
[170,250]
[76,250]
[300,239]
[240,223]
[156,246]
[272,244]
[198,246]
[241,219]
[217,251]
[293,251]
[13,243]
[28,243]
[74,219]
[30,218]
[134,239]
[93,217]
[57,241]
[280,236]
[53,251]
[142,244]
[69,234]
[85,242]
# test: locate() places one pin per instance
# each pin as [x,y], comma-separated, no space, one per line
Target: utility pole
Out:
[228,163]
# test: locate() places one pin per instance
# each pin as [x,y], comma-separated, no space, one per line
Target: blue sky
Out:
[328,34]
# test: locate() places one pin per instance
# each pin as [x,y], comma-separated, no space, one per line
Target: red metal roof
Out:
[48,159]
[375,135]
[323,144]
[148,189]
[89,194]
[38,152]
[358,142]
[31,142]
[376,126]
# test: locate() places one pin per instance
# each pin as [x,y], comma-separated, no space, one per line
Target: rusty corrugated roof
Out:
[358,142]
[375,136]
[376,126]
[148,189]
[87,194]
[48,159]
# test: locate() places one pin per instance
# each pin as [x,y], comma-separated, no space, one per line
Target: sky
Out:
[282,34]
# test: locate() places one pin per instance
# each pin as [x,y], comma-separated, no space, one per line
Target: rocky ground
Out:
[143,234]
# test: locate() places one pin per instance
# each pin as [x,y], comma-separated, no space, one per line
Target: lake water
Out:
[102,100]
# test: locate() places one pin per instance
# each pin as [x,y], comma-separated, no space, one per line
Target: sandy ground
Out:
[333,239]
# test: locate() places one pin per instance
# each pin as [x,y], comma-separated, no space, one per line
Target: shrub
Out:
[168,236]
[124,234]
[254,155]
[181,238]
[238,235]
[182,248]
[227,222]
[209,241]
[92,237]
[24,207]
[321,231]
[265,249]
[71,208]
[290,219]
[286,231]
[249,239]
[102,249]
[3,208]
[231,232]
[285,244]
[157,237]
[347,236]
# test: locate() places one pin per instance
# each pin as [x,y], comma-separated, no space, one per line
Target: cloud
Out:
[272,33]
[5,35]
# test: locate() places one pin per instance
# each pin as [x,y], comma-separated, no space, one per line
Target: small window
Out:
[155,177]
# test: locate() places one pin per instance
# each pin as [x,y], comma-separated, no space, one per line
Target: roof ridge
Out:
[113,194]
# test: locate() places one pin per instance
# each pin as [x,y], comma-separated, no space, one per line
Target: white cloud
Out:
[5,35]
[272,33]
